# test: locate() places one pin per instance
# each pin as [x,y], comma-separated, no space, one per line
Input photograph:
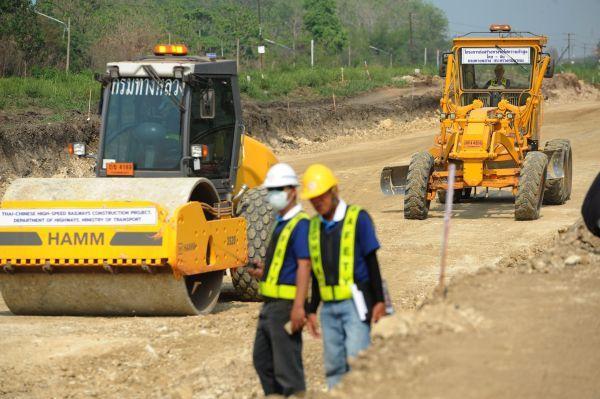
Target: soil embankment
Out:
[526,329]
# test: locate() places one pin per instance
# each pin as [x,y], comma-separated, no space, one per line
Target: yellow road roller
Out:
[176,200]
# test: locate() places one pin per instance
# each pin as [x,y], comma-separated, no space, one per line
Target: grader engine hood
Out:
[473,145]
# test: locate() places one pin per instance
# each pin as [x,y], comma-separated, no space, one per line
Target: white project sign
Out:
[490,55]
[78,217]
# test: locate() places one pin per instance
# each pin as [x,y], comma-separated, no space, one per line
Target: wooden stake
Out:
[90,106]
[334,106]
[367,69]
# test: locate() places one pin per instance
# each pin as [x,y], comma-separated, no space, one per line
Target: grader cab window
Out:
[212,125]
[143,123]
[496,73]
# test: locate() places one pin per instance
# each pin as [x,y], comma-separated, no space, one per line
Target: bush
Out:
[49,89]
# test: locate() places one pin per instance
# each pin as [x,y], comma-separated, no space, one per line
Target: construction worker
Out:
[284,285]
[500,82]
[343,247]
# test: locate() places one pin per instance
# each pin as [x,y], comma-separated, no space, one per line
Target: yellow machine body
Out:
[101,237]
[488,144]
[255,160]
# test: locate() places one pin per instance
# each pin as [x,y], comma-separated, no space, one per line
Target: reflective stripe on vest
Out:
[343,289]
[270,286]
[494,82]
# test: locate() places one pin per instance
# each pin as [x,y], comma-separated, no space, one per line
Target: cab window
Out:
[214,131]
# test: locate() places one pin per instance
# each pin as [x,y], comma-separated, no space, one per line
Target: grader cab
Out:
[490,128]
[175,203]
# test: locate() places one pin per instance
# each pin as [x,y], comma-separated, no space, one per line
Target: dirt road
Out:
[211,356]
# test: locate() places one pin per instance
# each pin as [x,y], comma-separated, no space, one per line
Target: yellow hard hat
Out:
[317,180]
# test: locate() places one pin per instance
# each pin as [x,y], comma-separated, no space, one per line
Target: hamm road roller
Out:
[176,200]
[490,128]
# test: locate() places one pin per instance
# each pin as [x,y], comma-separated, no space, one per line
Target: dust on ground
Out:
[209,357]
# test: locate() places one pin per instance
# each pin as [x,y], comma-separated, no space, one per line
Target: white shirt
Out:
[291,213]
[340,211]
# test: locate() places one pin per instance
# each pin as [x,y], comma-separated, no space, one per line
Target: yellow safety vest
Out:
[343,290]
[494,82]
[270,287]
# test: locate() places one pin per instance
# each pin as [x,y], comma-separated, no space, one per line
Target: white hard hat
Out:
[281,175]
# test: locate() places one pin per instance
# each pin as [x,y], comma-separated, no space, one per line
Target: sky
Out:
[552,18]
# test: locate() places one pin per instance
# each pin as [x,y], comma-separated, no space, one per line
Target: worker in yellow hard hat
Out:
[346,276]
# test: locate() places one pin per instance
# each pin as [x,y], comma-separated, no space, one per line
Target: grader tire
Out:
[558,191]
[259,217]
[441,196]
[416,204]
[530,192]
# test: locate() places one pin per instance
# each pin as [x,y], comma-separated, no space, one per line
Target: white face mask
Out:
[278,199]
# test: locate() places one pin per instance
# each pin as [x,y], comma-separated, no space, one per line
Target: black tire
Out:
[466,193]
[558,191]
[259,217]
[441,196]
[530,192]
[416,205]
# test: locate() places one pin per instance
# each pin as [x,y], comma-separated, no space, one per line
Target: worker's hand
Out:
[312,323]
[256,269]
[378,311]
[298,318]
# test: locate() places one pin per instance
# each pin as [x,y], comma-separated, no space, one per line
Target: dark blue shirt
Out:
[297,248]
[366,242]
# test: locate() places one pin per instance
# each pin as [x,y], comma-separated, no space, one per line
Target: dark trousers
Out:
[277,355]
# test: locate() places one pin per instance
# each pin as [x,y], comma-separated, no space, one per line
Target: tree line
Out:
[345,32]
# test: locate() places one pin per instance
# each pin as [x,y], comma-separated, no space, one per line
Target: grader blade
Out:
[393,180]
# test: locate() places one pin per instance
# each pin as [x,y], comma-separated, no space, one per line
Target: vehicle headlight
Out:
[443,116]
[452,116]
[79,149]
[509,115]
[196,150]
[499,115]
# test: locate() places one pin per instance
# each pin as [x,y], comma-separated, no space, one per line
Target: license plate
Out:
[119,169]
[473,143]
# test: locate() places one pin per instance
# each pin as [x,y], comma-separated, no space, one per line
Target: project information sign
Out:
[492,55]
[78,217]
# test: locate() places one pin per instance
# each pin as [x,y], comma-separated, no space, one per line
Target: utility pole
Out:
[569,48]
[260,36]
[410,37]
[68,28]
[68,45]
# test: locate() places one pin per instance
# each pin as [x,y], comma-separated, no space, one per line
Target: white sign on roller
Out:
[491,55]
[78,217]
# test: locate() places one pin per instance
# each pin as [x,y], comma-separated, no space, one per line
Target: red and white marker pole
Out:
[447,216]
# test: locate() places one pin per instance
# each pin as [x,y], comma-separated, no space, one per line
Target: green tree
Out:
[322,22]
[21,39]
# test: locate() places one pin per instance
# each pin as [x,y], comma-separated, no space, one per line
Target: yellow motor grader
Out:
[176,200]
[490,128]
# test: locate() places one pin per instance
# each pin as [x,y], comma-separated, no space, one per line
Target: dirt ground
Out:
[210,356]
[521,332]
